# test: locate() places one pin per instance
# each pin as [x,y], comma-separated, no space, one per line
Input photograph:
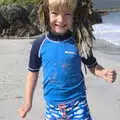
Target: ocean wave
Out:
[106,28]
[107,31]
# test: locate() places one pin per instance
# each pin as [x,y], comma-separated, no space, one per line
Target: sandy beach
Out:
[103,97]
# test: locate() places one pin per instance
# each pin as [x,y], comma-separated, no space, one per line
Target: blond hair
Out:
[62,5]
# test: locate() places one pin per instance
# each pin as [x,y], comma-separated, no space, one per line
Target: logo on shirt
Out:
[70,52]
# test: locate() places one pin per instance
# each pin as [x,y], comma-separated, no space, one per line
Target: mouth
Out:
[60,26]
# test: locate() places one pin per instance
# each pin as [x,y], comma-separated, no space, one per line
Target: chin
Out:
[60,31]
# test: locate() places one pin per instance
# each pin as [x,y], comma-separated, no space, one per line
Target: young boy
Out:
[57,52]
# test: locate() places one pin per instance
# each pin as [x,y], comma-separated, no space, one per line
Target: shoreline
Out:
[103,97]
[107,48]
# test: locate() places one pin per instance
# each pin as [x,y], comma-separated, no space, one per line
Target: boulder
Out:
[3,24]
[19,23]
[95,18]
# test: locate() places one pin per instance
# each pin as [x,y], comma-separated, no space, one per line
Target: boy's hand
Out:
[24,109]
[109,75]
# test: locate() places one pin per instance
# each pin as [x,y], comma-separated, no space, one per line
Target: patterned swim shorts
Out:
[75,110]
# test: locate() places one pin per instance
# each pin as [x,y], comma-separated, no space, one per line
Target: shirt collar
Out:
[57,37]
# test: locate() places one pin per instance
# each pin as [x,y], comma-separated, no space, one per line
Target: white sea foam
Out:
[109,30]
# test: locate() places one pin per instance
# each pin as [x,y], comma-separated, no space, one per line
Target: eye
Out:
[68,14]
[54,13]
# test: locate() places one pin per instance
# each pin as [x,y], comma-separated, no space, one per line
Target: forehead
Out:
[62,5]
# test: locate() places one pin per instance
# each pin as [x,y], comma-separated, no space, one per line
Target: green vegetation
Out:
[20,2]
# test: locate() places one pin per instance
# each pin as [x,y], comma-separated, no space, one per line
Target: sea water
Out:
[109,30]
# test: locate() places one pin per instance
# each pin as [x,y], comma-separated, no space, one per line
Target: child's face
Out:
[60,21]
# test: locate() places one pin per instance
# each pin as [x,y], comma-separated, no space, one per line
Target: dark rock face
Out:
[3,24]
[14,21]
[95,18]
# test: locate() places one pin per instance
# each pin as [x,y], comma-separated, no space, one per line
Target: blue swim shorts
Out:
[75,110]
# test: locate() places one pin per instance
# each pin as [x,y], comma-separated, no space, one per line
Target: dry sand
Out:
[103,97]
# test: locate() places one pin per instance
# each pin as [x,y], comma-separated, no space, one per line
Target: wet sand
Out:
[103,97]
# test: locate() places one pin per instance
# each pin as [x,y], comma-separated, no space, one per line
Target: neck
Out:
[59,37]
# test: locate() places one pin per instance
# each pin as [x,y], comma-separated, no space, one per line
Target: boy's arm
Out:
[32,78]
[106,74]
[98,70]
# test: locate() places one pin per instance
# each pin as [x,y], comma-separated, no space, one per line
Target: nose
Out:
[60,18]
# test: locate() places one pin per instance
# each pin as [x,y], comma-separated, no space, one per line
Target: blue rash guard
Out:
[63,79]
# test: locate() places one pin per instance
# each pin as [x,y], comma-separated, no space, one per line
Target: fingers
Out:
[113,76]
[23,111]
[110,75]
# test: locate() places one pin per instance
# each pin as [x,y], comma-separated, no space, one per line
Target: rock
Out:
[19,23]
[95,18]
[3,24]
